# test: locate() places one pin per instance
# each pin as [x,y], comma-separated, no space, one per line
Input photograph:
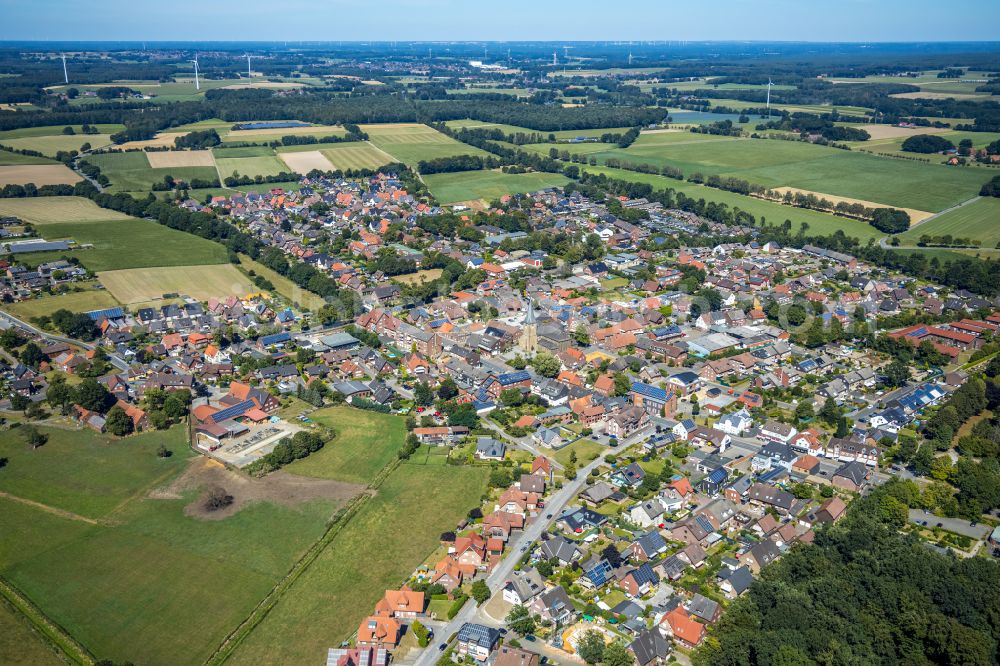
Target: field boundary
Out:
[267,604]
[54,635]
[62,513]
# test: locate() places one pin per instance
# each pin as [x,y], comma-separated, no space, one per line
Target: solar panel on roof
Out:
[232,412]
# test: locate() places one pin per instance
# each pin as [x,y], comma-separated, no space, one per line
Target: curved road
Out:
[115,360]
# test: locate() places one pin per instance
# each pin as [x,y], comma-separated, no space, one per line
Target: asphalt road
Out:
[554,507]
[115,360]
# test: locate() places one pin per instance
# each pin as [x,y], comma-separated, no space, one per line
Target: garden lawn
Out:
[365,442]
[488,185]
[586,450]
[392,533]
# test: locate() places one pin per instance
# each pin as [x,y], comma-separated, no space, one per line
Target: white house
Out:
[775,431]
[647,513]
[736,423]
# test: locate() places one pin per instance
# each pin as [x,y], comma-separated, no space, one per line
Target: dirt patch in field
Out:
[474,204]
[915,215]
[305,162]
[181,158]
[278,488]
[39,174]
[894,132]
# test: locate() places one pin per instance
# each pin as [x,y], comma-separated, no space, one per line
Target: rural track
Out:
[62,513]
[884,244]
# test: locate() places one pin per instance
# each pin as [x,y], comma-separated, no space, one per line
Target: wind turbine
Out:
[629,58]
[249,72]
[769,84]
[555,62]
[65,73]
[197,83]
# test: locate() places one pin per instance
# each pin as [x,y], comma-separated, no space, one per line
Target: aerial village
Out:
[662,420]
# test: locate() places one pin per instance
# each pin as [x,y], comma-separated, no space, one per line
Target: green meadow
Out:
[773,213]
[488,185]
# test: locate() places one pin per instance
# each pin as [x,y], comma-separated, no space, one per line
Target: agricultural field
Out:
[144,581]
[140,285]
[54,476]
[282,285]
[20,645]
[74,301]
[391,534]
[305,161]
[264,165]
[366,441]
[131,243]
[8,158]
[133,171]
[180,158]
[772,163]
[39,174]
[819,223]
[354,155]
[979,220]
[50,139]
[487,185]
[893,144]
[58,210]
[266,135]
[52,144]
[411,142]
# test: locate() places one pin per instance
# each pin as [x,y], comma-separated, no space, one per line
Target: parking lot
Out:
[260,441]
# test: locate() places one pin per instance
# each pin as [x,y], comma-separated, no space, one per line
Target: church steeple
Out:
[529,336]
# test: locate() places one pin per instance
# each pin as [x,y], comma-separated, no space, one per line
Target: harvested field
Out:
[305,162]
[39,174]
[53,210]
[915,215]
[181,158]
[893,132]
[139,285]
[159,141]
[308,130]
[277,488]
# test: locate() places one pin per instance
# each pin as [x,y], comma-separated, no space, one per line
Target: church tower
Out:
[529,336]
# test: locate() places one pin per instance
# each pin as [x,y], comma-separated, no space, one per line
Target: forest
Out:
[863,593]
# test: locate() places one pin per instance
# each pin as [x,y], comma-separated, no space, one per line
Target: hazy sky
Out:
[332,20]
